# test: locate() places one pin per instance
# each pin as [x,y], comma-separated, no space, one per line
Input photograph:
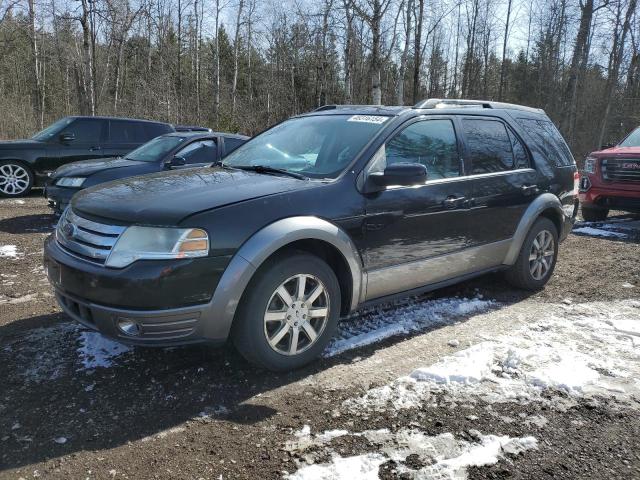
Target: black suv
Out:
[26,163]
[171,151]
[312,219]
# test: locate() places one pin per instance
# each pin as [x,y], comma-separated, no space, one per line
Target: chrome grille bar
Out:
[621,169]
[90,240]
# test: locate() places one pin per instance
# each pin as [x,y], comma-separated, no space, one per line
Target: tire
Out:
[16,179]
[523,274]
[594,214]
[263,316]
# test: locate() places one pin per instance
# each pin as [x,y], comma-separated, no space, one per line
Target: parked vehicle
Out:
[321,214]
[171,151]
[26,163]
[611,179]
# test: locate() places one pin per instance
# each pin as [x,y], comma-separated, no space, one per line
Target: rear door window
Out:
[153,130]
[549,140]
[520,155]
[202,151]
[489,147]
[123,131]
[429,142]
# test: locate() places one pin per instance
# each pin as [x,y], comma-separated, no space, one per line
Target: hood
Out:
[168,197]
[618,152]
[89,167]
[20,144]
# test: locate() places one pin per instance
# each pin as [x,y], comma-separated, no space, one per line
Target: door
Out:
[503,183]
[82,139]
[407,227]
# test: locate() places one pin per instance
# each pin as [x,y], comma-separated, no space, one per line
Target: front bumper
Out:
[169,300]
[59,197]
[599,194]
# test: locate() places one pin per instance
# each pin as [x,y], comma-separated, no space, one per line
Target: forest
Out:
[243,65]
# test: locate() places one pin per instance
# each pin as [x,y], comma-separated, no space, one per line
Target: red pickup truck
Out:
[611,179]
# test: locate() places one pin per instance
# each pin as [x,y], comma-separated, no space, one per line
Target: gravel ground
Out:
[201,413]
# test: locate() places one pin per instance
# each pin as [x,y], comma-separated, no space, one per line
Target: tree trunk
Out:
[405,54]
[417,50]
[236,53]
[503,64]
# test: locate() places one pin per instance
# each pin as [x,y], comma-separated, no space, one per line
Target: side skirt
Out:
[434,271]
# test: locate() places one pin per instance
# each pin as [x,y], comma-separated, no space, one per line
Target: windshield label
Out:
[368,119]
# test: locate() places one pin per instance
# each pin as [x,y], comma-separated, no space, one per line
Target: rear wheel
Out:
[537,259]
[591,214]
[16,179]
[289,313]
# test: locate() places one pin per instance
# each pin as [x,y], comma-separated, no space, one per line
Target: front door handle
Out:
[453,202]
[94,149]
[529,189]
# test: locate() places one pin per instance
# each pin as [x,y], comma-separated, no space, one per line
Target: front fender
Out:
[259,248]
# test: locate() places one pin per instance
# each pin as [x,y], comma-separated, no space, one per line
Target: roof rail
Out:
[453,102]
[335,107]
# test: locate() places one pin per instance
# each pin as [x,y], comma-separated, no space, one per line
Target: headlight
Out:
[590,164]
[70,181]
[153,243]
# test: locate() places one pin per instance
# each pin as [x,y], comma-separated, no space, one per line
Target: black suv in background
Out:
[312,219]
[26,163]
[171,151]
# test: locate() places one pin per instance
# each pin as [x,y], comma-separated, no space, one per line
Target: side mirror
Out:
[67,137]
[607,145]
[176,162]
[405,174]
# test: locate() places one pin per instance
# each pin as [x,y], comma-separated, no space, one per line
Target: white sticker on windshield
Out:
[368,119]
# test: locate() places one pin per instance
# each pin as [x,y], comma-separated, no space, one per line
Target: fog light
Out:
[128,326]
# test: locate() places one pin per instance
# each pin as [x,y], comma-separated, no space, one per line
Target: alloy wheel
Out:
[296,314]
[14,179]
[541,255]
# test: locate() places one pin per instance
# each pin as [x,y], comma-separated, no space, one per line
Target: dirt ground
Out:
[201,413]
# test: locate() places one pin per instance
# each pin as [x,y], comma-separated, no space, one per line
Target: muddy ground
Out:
[201,413]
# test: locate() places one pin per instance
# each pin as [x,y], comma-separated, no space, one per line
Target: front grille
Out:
[87,239]
[621,169]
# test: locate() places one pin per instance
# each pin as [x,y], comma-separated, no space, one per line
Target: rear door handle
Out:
[529,189]
[453,202]
[93,149]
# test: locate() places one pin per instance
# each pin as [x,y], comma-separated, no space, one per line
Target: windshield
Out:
[52,130]
[632,140]
[155,150]
[317,146]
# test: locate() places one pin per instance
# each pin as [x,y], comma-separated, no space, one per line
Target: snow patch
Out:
[598,232]
[98,351]
[9,251]
[361,467]
[415,316]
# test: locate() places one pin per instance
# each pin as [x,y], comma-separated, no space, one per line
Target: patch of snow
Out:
[9,251]
[598,232]
[445,456]
[580,349]
[98,351]
[60,440]
[412,317]
[628,285]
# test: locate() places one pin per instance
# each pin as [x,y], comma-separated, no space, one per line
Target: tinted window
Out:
[548,140]
[488,146]
[520,155]
[632,140]
[203,151]
[431,143]
[153,130]
[127,132]
[52,130]
[86,130]
[230,144]
[156,149]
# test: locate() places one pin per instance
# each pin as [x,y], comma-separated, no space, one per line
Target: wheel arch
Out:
[546,205]
[307,233]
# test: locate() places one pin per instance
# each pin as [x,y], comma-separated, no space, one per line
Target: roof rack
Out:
[335,107]
[453,102]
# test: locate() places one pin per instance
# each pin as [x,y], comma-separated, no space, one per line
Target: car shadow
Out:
[37,223]
[56,401]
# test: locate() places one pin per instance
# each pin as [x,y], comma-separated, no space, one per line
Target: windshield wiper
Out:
[271,170]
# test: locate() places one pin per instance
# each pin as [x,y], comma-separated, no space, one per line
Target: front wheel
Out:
[594,214]
[289,313]
[16,179]
[537,259]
